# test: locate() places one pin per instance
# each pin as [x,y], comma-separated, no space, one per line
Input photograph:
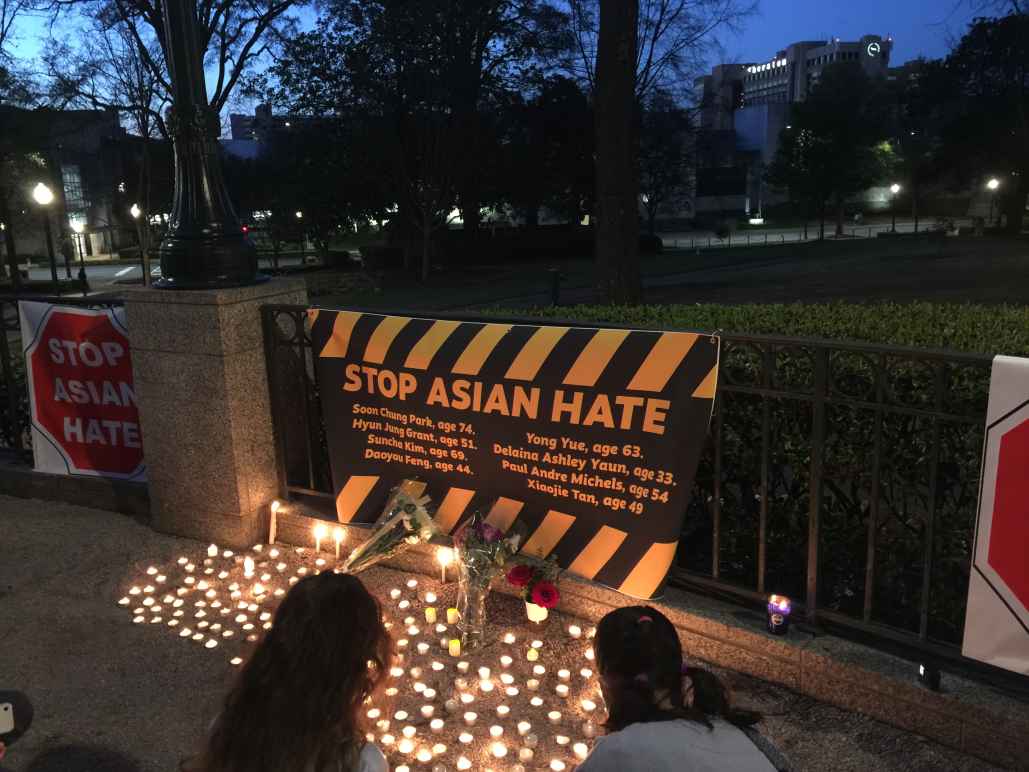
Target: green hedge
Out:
[1002,329]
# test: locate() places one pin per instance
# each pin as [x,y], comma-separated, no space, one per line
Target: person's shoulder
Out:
[372,759]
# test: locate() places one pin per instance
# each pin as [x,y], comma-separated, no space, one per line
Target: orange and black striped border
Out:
[415,344]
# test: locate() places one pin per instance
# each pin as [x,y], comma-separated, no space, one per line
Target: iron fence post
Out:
[821,377]
[873,504]
[930,521]
[766,421]
[9,384]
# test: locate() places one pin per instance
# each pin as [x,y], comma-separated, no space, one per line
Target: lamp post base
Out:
[207,263]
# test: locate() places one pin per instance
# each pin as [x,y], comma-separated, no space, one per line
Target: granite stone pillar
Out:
[202,388]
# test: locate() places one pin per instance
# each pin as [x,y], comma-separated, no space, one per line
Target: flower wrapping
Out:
[404,522]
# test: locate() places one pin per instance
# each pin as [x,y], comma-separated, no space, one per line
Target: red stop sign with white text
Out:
[84,415]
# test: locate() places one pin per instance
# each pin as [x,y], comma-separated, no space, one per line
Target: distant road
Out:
[104,274]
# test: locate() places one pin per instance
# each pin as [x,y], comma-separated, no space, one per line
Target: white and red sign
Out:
[997,619]
[85,420]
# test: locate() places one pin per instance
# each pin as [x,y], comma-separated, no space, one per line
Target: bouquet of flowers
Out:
[404,522]
[482,551]
[537,583]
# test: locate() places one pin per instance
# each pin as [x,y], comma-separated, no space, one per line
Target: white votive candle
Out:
[554,716]
[532,655]
[524,727]
[588,705]
[503,710]
[469,718]
[506,661]
[436,725]
[427,711]
[564,675]
[562,690]
[562,740]
[533,684]
[575,631]
[465,738]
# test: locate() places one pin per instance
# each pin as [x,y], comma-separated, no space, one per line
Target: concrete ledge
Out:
[972,717]
[129,498]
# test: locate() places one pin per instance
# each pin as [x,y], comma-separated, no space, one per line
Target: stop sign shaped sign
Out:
[82,394]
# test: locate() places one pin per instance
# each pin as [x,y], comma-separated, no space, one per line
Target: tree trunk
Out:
[839,217]
[1015,207]
[426,247]
[12,252]
[616,233]
[821,222]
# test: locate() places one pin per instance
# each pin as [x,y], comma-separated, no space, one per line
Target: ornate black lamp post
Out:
[205,246]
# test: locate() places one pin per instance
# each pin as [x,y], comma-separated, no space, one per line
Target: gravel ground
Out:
[96,677]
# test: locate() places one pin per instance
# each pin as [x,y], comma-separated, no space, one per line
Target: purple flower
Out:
[489,534]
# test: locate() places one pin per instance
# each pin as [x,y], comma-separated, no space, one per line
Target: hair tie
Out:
[643,619]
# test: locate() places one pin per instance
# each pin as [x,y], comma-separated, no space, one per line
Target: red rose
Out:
[520,575]
[545,594]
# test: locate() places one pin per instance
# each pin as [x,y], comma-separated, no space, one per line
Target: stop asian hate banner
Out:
[588,438]
[82,399]
[997,615]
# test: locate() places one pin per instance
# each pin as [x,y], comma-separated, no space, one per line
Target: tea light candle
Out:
[404,604]
[441,628]
[374,713]
[424,755]
[452,616]
[531,741]
[557,765]
[524,727]
[589,653]
[539,670]
[486,686]
[455,646]
[463,763]
[429,694]
[512,691]
[507,679]
[496,731]
[532,655]
[451,706]
[437,666]
[498,749]
[430,615]
[533,684]
[400,715]
[394,593]
[525,754]
[469,718]
[581,751]
[505,661]
[387,739]
[463,666]
[212,552]
[467,699]
[409,731]
[412,583]
[564,675]
[484,672]
[575,631]
[536,702]
[554,716]
[423,648]
[439,748]
[405,746]
[588,705]
[509,638]
[586,673]
[562,740]
[562,690]
[465,738]
[503,710]
[436,725]
[428,710]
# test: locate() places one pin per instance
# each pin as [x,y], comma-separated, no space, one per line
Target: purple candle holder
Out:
[779,608]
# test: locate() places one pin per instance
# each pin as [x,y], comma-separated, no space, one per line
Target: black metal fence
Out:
[844,475]
[15,434]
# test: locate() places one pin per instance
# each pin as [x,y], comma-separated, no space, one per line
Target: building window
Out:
[74,195]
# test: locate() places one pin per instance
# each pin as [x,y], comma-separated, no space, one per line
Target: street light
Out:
[299,214]
[144,254]
[77,228]
[44,197]
[894,190]
[992,186]
[205,246]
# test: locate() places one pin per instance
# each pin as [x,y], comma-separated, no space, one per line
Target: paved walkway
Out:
[95,677]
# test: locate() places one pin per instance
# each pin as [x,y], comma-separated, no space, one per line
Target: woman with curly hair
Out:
[663,717]
[298,702]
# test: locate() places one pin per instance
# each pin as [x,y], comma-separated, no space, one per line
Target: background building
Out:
[743,108]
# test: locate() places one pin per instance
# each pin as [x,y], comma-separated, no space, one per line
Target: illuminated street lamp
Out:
[894,190]
[78,228]
[43,196]
[299,214]
[992,186]
[144,253]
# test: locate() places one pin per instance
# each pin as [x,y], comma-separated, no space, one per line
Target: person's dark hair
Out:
[639,657]
[81,758]
[297,702]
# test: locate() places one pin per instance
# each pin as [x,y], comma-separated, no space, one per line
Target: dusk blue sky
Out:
[919,27]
